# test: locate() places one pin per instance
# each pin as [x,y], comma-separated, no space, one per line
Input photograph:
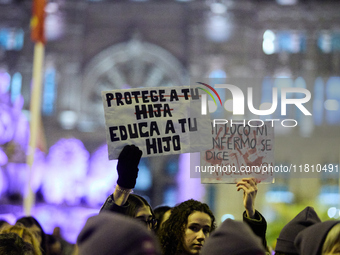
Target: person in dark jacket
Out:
[187,228]
[285,242]
[122,201]
[116,234]
[233,238]
[320,239]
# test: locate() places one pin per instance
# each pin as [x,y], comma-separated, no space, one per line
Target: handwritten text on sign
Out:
[159,121]
[238,151]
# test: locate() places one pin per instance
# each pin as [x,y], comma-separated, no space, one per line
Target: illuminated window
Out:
[49,91]
[329,41]
[5,81]
[269,42]
[11,38]
[16,86]
[283,41]
[291,41]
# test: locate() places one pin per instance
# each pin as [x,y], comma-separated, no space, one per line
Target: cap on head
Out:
[285,242]
[233,238]
[116,234]
[310,240]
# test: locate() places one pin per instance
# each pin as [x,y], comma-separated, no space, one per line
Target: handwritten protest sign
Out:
[160,121]
[237,151]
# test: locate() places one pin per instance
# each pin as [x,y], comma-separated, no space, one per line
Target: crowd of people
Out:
[128,225]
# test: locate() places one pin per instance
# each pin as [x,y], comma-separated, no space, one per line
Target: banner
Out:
[160,121]
[38,21]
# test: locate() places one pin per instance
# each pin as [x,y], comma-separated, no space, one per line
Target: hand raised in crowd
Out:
[249,187]
[127,166]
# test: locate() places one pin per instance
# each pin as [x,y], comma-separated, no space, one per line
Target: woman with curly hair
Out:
[189,224]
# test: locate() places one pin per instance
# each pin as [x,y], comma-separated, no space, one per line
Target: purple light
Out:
[5,80]
[38,169]
[70,219]
[188,187]
[9,116]
[65,173]
[3,180]
[6,125]
[101,178]
[17,178]
[3,158]
[22,132]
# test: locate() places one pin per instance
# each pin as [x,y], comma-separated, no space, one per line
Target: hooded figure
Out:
[285,241]
[114,234]
[233,238]
[310,241]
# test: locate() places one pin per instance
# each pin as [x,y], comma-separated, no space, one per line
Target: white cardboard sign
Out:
[160,121]
[238,151]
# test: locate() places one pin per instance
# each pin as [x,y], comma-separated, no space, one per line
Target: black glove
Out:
[127,166]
